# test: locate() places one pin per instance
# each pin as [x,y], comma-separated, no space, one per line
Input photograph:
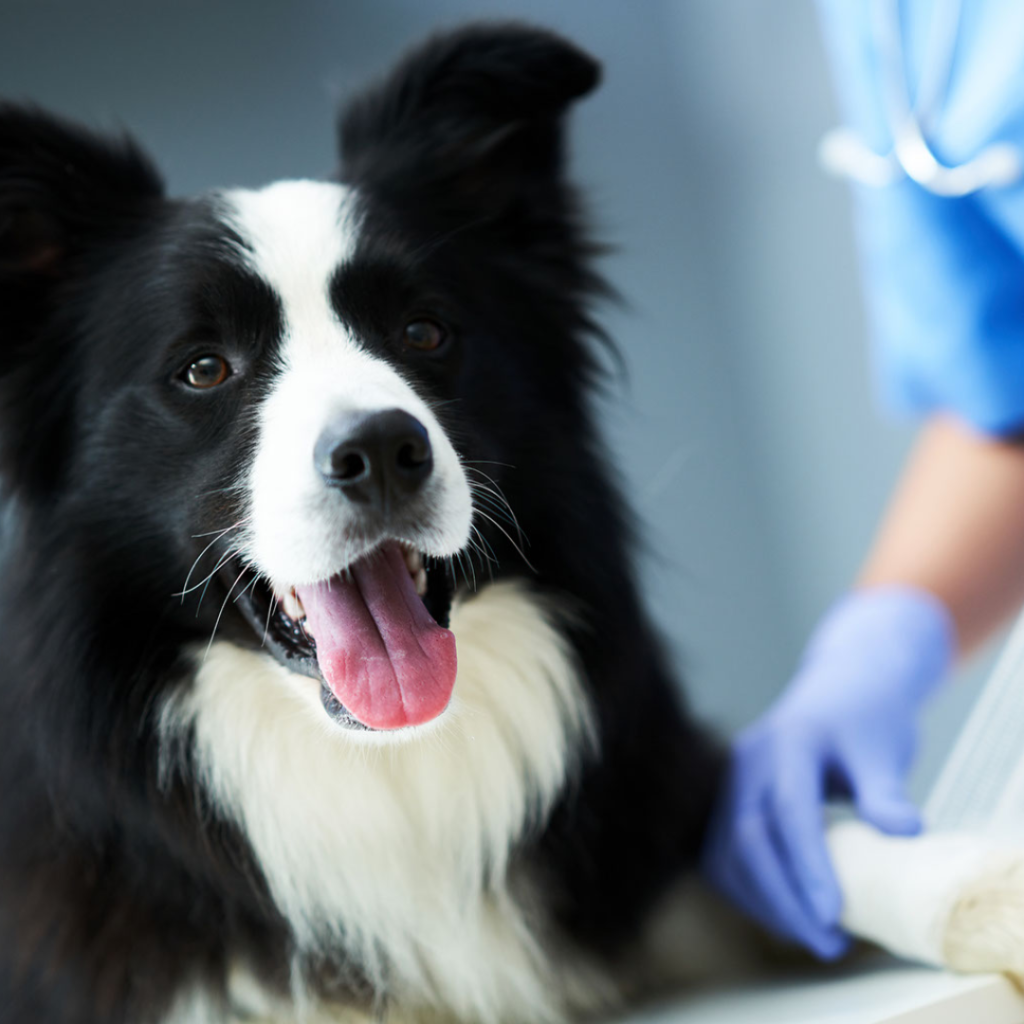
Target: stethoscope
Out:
[843,152]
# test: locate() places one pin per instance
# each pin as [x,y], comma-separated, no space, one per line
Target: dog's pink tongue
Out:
[380,652]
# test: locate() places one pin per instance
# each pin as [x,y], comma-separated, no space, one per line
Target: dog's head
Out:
[293,411]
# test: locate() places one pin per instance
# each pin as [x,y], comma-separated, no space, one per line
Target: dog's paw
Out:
[984,930]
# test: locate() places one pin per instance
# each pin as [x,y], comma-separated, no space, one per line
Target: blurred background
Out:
[746,431]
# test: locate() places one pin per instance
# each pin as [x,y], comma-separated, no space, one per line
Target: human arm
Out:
[955,528]
[946,569]
[942,279]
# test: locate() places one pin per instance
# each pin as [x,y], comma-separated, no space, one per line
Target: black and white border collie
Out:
[327,692]
[317,596]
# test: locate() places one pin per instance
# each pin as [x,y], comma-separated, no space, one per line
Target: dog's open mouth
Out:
[374,635]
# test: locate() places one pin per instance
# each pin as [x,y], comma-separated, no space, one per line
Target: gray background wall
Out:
[747,432]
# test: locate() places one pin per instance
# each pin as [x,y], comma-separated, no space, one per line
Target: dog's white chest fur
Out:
[396,850]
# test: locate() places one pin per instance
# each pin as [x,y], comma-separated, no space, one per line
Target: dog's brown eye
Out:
[424,335]
[207,372]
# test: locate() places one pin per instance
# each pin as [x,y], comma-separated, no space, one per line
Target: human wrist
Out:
[902,632]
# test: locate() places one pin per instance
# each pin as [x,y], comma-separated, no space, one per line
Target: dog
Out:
[328,689]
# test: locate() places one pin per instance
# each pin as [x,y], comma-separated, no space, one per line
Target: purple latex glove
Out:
[845,726]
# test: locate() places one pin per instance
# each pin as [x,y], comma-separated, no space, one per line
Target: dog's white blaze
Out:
[296,235]
[399,852]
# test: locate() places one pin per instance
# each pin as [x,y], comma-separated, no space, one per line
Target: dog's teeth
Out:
[293,606]
[413,560]
[420,579]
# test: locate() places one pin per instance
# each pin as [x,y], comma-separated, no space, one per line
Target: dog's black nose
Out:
[375,460]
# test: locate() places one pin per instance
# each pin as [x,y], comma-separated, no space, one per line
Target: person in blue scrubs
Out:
[942,84]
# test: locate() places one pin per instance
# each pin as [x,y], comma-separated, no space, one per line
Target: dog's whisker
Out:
[485,559]
[222,533]
[233,552]
[472,568]
[247,588]
[487,550]
[219,533]
[497,496]
[479,543]
[500,512]
[492,488]
[204,582]
[508,536]
[271,608]
[500,509]
[229,489]
[457,559]
[220,614]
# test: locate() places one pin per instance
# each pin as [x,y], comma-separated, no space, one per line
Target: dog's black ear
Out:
[63,188]
[471,116]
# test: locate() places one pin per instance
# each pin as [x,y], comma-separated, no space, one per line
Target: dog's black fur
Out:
[115,883]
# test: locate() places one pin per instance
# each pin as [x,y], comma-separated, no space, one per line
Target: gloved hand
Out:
[845,726]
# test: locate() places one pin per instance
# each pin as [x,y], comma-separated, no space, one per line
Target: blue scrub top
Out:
[944,276]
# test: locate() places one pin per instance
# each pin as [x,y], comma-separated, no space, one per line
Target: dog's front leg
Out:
[951,899]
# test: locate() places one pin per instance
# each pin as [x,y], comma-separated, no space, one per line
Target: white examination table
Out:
[878,990]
